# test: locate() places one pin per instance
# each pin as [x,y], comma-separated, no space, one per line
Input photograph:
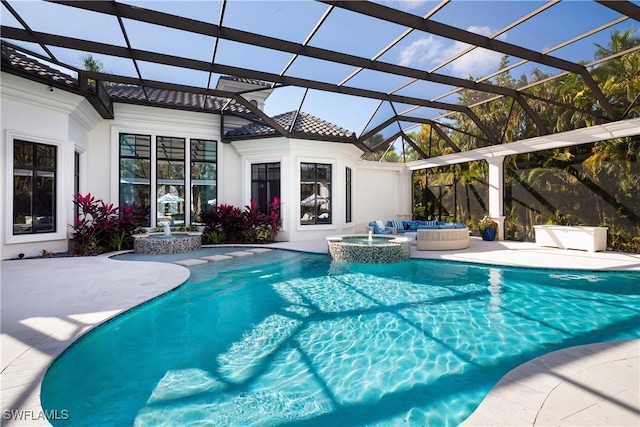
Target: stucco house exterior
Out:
[173,154]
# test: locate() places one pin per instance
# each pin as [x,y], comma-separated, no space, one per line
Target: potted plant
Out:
[488,228]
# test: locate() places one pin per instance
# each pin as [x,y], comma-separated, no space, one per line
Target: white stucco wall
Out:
[382,191]
[32,112]
[142,120]
[37,113]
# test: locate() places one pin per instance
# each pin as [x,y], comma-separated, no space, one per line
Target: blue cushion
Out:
[378,230]
[399,226]
[413,225]
[428,227]
[446,225]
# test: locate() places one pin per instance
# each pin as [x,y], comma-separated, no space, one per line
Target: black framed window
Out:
[170,190]
[34,184]
[204,176]
[135,173]
[315,193]
[76,181]
[348,196]
[265,184]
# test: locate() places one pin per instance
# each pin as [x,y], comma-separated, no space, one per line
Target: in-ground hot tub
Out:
[376,249]
[162,243]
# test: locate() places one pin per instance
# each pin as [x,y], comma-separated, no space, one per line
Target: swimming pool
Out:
[287,338]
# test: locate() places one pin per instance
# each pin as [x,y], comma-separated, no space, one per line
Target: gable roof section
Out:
[297,124]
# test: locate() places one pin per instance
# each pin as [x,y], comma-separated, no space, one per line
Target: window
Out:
[182,185]
[203,176]
[347,213]
[315,193]
[265,184]
[135,173]
[170,180]
[34,183]
[76,181]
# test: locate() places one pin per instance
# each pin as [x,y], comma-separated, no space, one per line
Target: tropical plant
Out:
[593,184]
[102,227]
[215,237]
[90,63]
[487,223]
[228,223]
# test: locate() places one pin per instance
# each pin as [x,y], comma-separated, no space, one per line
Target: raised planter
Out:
[584,238]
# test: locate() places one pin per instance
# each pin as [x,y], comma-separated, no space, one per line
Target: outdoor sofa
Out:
[431,235]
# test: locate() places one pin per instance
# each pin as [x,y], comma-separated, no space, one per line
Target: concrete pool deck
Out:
[48,303]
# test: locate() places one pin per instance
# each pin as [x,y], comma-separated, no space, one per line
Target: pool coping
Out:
[38,324]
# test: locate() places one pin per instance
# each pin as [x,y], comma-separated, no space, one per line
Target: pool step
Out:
[259,250]
[216,258]
[190,262]
[223,257]
[240,253]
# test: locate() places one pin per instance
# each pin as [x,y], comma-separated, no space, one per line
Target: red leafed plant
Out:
[227,223]
[102,227]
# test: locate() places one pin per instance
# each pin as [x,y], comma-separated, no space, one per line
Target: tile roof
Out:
[304,124]
[121,92]
[32,66]
[245,80]
[172,98]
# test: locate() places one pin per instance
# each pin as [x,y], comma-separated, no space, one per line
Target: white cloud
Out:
[430,51]
[421,52]
[483,31]
[477,63]
[405,4]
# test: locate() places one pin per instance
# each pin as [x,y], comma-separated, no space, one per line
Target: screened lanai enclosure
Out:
[547,92]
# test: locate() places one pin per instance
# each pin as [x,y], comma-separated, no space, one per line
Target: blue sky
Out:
[343,31]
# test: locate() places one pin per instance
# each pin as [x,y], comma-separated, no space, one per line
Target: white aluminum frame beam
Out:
[618,129]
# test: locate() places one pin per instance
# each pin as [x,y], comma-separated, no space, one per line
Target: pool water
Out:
[293,339]
[367,241]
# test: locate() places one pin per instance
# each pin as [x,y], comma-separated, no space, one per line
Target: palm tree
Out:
[619,42]
[89,63]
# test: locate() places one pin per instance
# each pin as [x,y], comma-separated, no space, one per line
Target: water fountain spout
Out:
[167,229]
[370,236]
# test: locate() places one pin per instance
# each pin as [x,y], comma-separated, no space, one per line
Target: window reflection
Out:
[34,183]
[315,193]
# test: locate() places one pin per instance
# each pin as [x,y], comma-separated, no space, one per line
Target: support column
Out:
[496,193]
